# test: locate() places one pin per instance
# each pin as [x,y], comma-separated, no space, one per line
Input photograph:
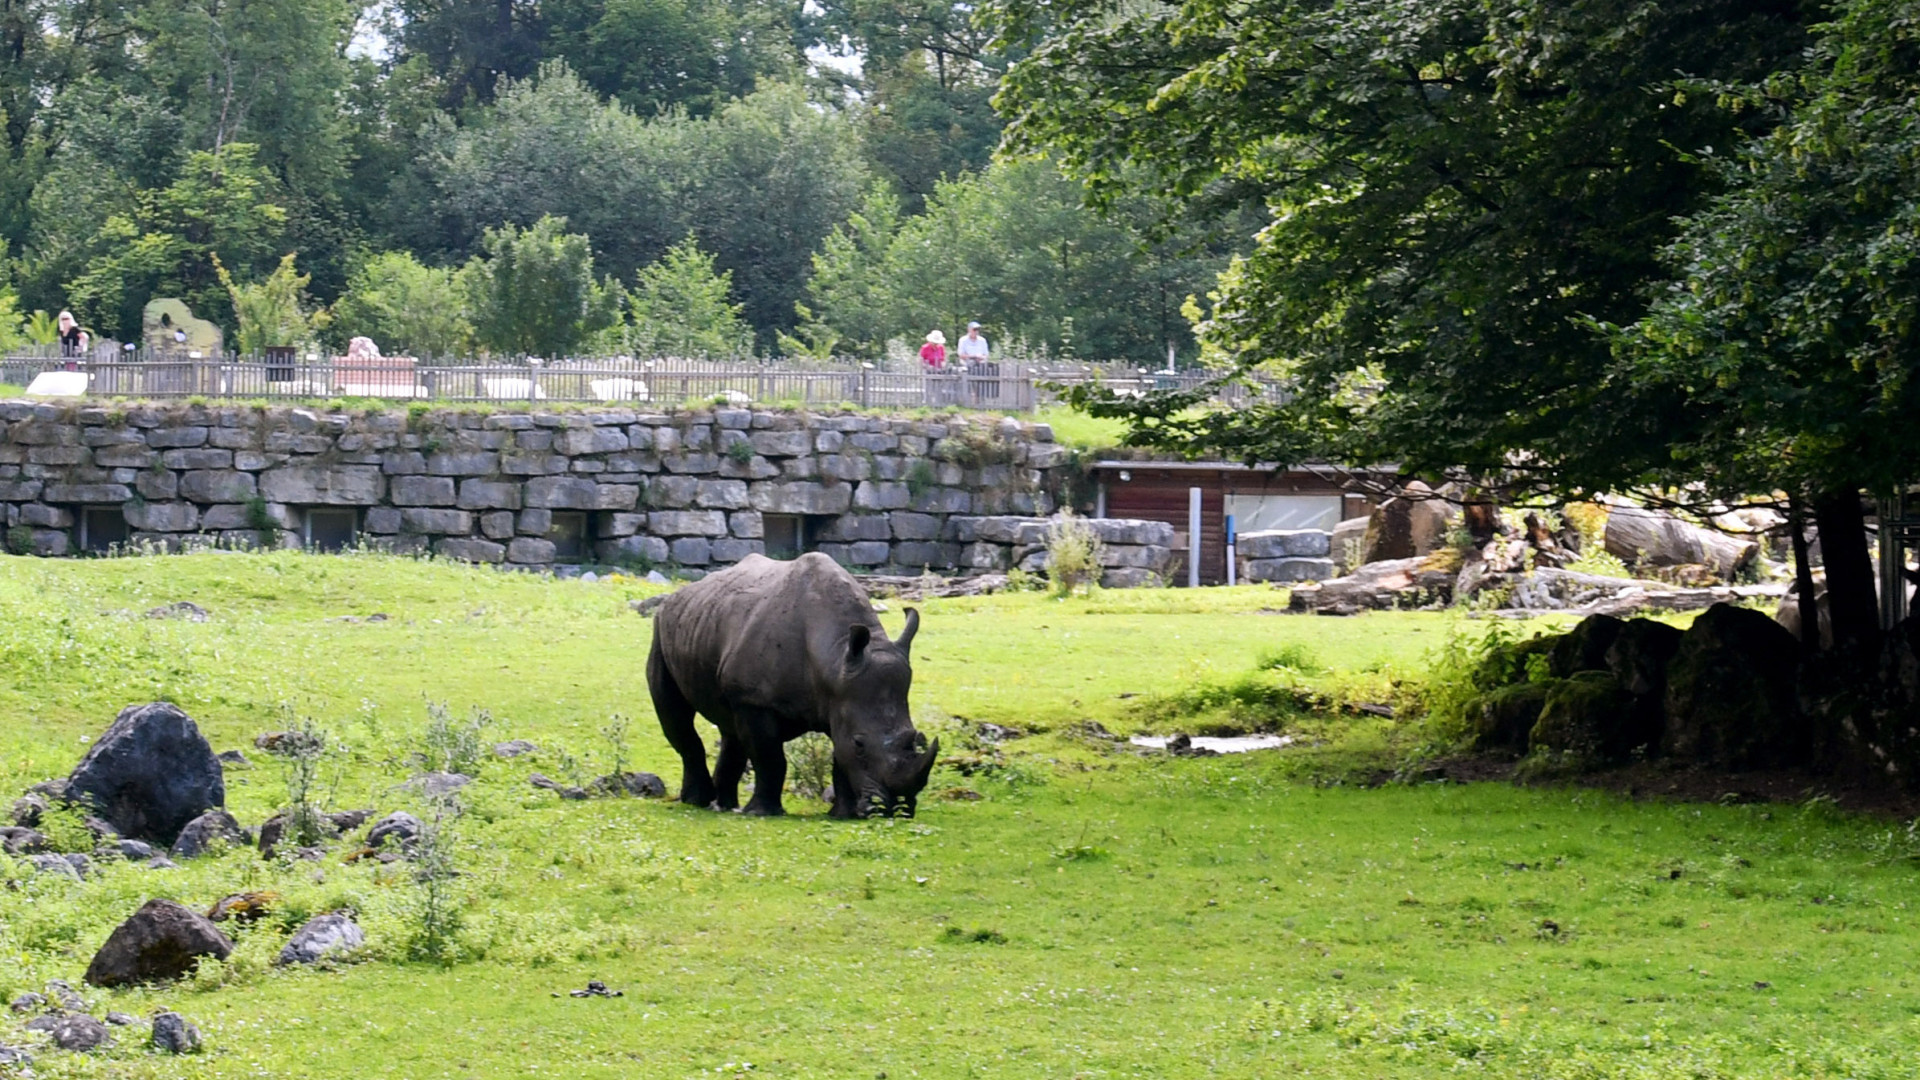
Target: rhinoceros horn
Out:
[905,640]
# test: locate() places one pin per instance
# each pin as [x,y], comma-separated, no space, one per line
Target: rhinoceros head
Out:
[880,763]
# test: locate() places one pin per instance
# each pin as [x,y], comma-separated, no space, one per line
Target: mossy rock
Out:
[1584,648]
[1583,721]
[1504,718]
[1731,694]
[1640,654]
[1507,664]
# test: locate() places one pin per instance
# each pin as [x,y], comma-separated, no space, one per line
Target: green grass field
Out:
[1098,913]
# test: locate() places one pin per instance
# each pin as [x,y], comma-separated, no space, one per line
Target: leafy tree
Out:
[534,293]
[680,305]
[1792,328]
[1453,187]
[550,147]
[469,45]
[222,204]
[405,307]
[1015,248]
[657,55]
[769,178]
[270,313]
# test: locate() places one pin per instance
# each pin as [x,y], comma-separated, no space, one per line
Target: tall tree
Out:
[656,55]
[470,45]
[1454,186]
[1792,328]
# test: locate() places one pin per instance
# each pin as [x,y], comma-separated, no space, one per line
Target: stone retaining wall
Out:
[690,489]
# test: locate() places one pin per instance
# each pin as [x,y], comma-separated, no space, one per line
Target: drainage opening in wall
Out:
[788,536]
[569,533]
[102,528]
[330,528]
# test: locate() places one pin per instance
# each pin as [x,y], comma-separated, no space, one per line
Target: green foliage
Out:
[221,205]
[680,306]
[448,745]
[41,328]
[534,293]
[437,917]
[302,754]
[810,765]
[408,309]
[1454,186]
[1013,247]
[1073,554]
[269,313]
[15,331]
[1792,325]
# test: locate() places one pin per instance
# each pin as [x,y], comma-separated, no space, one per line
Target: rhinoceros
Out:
[768,651]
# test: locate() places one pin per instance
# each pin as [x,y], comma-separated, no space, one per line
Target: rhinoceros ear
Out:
[905,640]
[858,637]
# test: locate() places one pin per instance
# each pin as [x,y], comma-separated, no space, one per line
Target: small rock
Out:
[120,1019]
[20,840]
[161,941]
[589,576]
[345,820]
[596,988]
[77,1032]
[647,606]
[161,862]
[435,785]
[655,577]
[401,827]
[28,1002]
[62,994]
[51,790]
[28,808]
[179,609]
[243,907]
[323,934]
[207,832]
[960,794]
[642,784]
[175,1034]
[514,748]
[133,849]
[547,783]
[11,1056]
[59,866]
[998,733]
[233,759]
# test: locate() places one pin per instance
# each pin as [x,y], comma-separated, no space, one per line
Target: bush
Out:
[810,765]
[453,747]
[1073,554]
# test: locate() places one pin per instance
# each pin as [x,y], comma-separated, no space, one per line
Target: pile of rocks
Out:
[66,1021]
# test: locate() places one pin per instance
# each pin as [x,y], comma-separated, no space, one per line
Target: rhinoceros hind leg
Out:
[676,722]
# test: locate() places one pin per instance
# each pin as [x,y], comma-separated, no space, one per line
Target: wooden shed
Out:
[1259,497]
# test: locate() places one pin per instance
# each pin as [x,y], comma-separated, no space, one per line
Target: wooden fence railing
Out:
[1004,386]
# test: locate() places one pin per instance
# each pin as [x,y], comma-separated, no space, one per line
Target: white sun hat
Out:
[937,338]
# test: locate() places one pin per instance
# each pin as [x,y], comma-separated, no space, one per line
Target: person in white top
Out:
[974,354]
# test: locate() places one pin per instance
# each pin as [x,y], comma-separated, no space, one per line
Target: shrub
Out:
[302,754]
[810,765]
[453,747]
[436,907]
[1073,554]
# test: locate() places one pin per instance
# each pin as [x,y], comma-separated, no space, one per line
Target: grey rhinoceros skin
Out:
[768,651]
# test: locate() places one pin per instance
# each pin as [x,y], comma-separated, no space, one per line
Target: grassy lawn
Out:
[1096,914]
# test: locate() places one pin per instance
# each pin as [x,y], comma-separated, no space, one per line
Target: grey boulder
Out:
[400,827]
[207,832]
[77,1032]
[175,1034]
[149,774]
[323,935]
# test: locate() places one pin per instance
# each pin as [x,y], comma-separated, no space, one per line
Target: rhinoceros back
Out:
[761,633]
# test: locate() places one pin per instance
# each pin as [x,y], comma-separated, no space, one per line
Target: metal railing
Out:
[1004,386]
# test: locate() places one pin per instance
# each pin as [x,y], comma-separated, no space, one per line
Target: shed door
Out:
[1259,513]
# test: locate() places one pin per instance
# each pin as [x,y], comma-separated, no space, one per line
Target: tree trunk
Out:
[1803,578]
[1853,602]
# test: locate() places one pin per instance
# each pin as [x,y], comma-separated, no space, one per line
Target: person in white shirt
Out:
[984,374]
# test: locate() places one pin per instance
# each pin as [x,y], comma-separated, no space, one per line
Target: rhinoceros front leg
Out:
[761,733]
[727,770]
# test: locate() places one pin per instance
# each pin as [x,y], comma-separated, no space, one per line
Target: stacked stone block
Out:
[1287,555]
[688,488]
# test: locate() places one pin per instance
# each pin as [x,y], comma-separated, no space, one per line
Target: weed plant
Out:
[1073,554]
